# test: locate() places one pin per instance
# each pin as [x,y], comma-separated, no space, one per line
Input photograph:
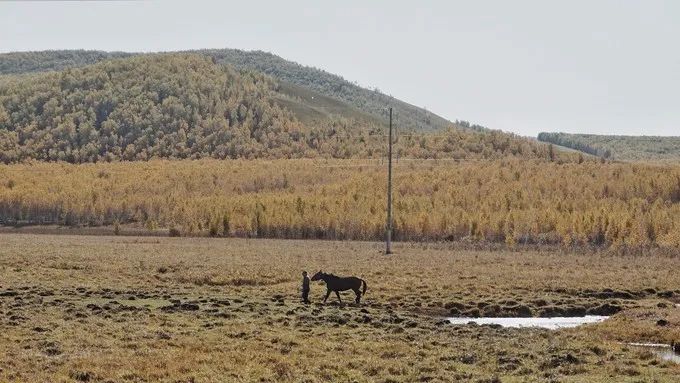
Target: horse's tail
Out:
[365,287]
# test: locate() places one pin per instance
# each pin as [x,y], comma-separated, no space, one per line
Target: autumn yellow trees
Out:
[506,201]
[184,106]
[180,143]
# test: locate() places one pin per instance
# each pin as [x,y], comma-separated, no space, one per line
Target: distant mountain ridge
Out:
[188,106]
[407,116]
[617,147]
[42,61]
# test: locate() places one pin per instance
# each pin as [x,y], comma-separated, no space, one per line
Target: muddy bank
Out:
[555,303]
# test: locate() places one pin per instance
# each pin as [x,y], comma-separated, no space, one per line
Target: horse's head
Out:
[317,276]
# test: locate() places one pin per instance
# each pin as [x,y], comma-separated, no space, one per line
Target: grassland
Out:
[142,309]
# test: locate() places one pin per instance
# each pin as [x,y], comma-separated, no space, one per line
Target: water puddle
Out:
[663,351]
[548,323]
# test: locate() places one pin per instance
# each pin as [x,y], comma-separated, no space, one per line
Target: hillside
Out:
[371,102]
[171,106]
[625,148]
[187,106]
[29,62]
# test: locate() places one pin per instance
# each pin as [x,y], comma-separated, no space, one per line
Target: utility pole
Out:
[388,239]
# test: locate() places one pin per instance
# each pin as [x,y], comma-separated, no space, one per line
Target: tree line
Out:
[630,148]
[511,200]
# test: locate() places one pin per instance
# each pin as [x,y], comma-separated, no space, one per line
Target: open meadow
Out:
[147,309]
[166,201]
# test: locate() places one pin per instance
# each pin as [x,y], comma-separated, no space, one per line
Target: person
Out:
[305,287]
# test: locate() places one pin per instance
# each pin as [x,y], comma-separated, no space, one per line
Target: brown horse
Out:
[337,284]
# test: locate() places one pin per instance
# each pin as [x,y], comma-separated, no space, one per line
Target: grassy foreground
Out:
[142,309]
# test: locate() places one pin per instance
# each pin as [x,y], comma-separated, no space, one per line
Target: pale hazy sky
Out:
[610,67]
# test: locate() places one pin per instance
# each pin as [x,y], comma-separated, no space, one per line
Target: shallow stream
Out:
[663,351]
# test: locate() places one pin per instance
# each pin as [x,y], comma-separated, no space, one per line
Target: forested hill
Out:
[372,102]
[156,106]
[625,148]
[176,106]
[187,106]
[28,62]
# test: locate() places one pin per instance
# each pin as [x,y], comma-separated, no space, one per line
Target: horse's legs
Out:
[358,293]
[328,293]
[338,294]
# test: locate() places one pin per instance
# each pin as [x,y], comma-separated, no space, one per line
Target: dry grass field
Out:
[145,309]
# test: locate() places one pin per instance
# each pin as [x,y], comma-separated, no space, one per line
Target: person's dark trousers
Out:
[305,296]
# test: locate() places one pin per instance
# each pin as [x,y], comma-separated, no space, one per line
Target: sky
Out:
[600,67]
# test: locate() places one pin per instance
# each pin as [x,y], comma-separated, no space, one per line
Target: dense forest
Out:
[625,148]
[187,106]
[373,102]
[28,62]
[178,106]
[511,200]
